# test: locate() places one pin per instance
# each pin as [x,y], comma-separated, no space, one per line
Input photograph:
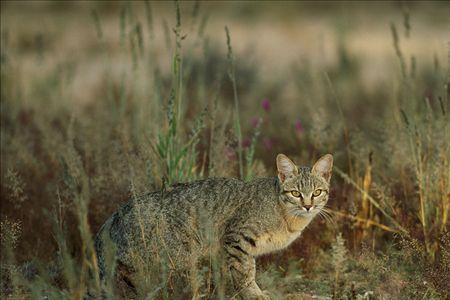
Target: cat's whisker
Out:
[328,217]
[332,221]
[324,216]
[327,212]
[327,207]
[321,216]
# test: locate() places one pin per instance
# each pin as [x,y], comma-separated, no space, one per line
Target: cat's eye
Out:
[295,194]
[317,193]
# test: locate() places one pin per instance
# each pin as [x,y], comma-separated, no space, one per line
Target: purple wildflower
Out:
[246,143]
[266,105]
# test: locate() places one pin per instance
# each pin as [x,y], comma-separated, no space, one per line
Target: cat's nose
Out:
[307,207]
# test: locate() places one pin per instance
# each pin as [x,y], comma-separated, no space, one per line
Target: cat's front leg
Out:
[243,269]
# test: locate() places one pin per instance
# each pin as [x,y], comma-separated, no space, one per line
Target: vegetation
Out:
[137,96]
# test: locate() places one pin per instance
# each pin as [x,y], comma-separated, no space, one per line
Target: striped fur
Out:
[228,218]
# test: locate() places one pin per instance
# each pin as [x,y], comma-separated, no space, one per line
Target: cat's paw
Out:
[257,295]
[265,295]
[253,292]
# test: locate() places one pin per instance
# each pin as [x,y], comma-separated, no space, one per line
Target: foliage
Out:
[141,108]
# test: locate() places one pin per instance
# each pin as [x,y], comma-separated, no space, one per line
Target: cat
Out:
[219,216]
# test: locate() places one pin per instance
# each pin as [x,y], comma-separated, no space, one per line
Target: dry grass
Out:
[101,102]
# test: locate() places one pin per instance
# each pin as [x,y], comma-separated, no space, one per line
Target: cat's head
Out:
[304,190]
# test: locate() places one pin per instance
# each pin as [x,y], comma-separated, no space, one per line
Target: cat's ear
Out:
[323,167]
[286,168]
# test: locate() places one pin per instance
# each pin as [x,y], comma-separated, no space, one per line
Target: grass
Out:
[167,105]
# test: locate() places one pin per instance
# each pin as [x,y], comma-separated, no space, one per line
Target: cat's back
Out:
[205,191]
[182,199]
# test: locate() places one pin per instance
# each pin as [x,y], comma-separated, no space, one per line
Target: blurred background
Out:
[89,88]
[273,38]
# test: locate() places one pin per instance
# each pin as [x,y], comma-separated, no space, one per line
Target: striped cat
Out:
[222,217]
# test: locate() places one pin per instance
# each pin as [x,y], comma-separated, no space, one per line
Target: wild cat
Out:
[230,218]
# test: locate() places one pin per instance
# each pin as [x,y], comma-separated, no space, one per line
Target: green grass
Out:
[153,98]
